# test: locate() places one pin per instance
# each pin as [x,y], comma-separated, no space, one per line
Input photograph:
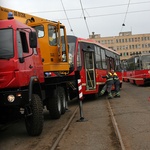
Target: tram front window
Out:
[71,54]
[146,62]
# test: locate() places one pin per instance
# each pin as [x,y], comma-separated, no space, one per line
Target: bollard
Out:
[80,95]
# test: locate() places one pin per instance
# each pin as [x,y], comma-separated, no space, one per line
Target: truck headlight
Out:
[11,98]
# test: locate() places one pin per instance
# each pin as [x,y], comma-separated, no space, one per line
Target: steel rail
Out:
[64,130]
[115,125]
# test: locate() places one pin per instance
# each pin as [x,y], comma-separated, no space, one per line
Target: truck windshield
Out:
[52,34]
[6,44]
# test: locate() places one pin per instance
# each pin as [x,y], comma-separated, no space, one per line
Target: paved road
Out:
[132,112]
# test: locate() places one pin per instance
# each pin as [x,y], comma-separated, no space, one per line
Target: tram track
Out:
[64,130]
[115,125]
[112,119]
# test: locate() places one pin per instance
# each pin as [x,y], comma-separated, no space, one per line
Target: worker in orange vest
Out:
[116,83]
[108,85]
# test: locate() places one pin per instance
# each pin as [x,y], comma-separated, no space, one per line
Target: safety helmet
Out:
[10,15]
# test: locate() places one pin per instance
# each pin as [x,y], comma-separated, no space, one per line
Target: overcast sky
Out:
[104,17]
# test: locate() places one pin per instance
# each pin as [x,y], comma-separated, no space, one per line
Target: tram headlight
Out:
[11,98]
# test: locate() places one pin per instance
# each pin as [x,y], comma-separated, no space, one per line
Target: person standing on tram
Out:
[116,83]
[108,85]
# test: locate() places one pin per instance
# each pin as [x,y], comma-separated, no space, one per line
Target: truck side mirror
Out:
[21,60]
[33,39]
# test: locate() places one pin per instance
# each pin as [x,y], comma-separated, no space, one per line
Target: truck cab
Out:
[21,74]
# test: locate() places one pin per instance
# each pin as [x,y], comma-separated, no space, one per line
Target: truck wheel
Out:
[54,105]
[34,118]
[63,99]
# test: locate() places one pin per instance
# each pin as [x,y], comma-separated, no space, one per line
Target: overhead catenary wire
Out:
[67,17]
[98,7]
[103,15]
[84,18]
[88,15]
[125,15]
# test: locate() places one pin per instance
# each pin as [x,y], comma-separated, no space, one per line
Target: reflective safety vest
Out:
[109,76]
[115,76]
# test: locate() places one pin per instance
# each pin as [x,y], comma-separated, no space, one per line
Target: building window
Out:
[142,38]
[139,46]
[136,46]
[138,39]
[142,45]
[132,46]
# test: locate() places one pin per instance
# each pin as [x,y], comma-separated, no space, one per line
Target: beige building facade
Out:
[126,43]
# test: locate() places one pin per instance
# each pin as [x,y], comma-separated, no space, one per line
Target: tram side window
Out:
[137,63]
[103,59]
[109,54]
[79,58]
[118,64]
[98,57]
[131,64]
[108,63]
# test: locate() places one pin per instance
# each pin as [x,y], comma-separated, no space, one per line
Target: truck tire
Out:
[34,118]
[63,99]
[54,104]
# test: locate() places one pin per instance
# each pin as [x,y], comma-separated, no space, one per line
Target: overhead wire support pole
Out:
[85,18]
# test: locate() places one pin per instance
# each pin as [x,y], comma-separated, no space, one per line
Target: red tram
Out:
[92,60]
[137,69]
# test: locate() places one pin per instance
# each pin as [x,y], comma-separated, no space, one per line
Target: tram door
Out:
[89,70]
